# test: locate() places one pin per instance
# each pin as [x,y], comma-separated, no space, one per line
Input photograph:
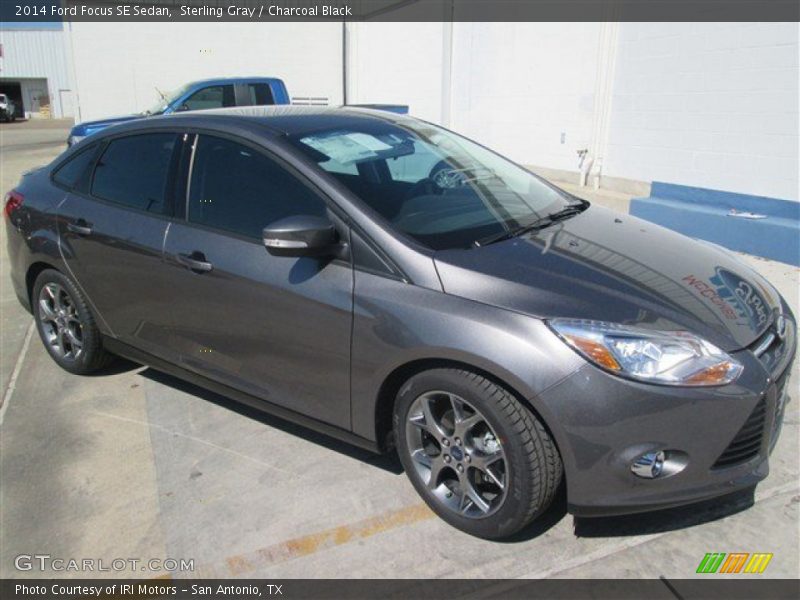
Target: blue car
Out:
[199,95]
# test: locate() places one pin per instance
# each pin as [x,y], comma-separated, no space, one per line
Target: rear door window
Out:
[133,171]
[258,94]
[237,189]
[217,96]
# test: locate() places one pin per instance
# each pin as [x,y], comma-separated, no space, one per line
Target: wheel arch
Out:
[30,277]
[387,395]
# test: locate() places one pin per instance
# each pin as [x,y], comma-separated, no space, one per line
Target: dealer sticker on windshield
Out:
[347,148]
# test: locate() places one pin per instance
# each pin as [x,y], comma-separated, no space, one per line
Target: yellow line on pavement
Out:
[329,538]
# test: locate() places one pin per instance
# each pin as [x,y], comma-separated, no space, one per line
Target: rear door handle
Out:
[196,261]
[80,227]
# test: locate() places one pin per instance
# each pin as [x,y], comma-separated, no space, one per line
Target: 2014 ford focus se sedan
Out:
[388,282]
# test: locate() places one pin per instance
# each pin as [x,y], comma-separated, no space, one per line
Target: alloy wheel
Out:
[61,323]
[457,454]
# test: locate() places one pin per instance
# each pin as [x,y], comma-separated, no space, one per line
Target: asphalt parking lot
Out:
[136,464]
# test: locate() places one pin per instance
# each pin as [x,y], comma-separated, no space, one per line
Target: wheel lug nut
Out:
[458,441]
[468,458]
[460,468]
[446,442]
[447,458]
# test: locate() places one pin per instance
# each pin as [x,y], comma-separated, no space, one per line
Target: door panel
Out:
[274,327]
[112,229]
[118,263]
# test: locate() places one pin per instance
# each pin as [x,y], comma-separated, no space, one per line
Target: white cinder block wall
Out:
[397,63]
[119,64]
[707,104]
[702,104]
[526,89]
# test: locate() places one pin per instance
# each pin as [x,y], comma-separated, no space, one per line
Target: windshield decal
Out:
[347,148]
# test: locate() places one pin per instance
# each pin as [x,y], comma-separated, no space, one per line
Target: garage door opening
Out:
[13,89]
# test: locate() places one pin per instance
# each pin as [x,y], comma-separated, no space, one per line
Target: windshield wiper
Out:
[568,211]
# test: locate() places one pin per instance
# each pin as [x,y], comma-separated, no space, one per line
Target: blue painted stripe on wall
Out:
[778,239]
[704,213]
[775,207]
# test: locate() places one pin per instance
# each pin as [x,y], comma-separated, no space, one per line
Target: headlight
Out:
[670,358]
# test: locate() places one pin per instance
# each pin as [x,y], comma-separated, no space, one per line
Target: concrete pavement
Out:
[23,145]
[136,464]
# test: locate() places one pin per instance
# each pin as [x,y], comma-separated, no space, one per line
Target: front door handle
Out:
[80,227]
[196,261]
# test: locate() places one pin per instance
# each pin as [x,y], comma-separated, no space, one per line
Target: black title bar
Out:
[744,588]
[399,10]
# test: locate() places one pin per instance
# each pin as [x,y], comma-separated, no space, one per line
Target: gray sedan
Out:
[393,284]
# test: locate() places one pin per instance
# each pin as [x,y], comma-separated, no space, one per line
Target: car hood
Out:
[606,266]
[90,127]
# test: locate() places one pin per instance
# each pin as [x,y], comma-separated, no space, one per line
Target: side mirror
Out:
[182,108]
[301,235]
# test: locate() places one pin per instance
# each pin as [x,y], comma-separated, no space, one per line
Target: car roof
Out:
[291,120]
[223,80]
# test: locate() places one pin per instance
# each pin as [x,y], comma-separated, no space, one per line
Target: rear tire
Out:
[66,325]
[478,457]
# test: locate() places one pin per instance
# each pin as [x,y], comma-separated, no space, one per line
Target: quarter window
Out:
[133,171]
[218,96]
[237,189]
[70,173]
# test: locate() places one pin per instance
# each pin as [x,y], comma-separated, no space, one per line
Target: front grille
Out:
[747,442]
[772,348]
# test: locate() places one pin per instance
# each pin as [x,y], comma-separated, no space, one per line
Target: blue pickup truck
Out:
[199,95]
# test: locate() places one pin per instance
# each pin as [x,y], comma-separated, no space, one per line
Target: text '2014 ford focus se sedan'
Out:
[391,283]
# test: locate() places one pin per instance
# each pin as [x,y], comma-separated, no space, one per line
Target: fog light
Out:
[649,465]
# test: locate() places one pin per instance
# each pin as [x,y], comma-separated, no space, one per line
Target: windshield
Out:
[165,100]
[431,184]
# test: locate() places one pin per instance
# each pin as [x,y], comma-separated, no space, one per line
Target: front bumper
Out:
[603,423]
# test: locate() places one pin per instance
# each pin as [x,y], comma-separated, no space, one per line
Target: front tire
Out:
[477,456]
[66,325]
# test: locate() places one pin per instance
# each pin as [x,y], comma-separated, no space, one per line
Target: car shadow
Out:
[119,365]
[588,527]
[659,521]
[670,519]
[387,462]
